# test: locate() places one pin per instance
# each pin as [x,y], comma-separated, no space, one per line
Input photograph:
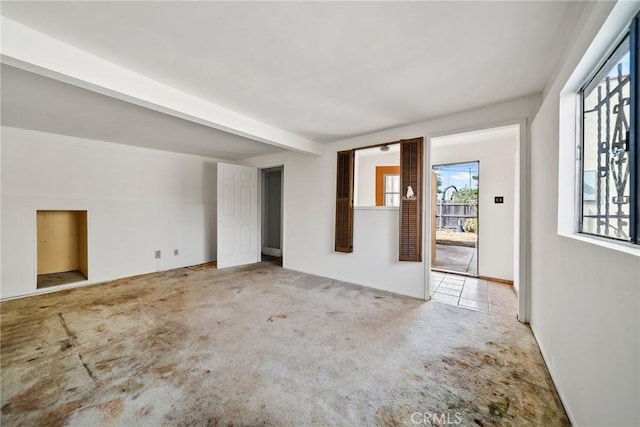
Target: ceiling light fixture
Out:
[384,148]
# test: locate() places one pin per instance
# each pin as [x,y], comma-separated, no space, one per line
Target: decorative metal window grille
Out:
[608,152]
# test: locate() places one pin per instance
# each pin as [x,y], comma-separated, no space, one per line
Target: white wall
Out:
[585,298]
[516,221]
[1,215]
[496,178]
[309,206]
[365,174]
[138,201]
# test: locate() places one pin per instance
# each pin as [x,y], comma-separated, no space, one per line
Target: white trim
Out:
[569,113]
[426,235]
[524,233]
[265,250]
[80,284]
[376,208]
[615,245]
[282,211]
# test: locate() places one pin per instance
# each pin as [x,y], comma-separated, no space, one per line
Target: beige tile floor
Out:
[474,294]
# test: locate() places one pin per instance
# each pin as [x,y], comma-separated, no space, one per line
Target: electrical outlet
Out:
[158,254]
[176,252]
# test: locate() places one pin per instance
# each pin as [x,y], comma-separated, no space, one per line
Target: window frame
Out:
[385,192]
[630,33]
[380,173]
[410,209]
[634,129]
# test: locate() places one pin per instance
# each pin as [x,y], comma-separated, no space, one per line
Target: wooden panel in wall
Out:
[344,202]
[62,241]
[411,207]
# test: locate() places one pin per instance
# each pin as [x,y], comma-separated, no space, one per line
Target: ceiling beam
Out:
[23,47]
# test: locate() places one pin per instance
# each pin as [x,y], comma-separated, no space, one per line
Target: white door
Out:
[237,215]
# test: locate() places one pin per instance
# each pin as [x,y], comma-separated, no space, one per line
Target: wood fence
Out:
[450,213]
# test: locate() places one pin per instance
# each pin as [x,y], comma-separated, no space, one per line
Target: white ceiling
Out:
[375,151]
[509,133]
[35,102]
[323,70]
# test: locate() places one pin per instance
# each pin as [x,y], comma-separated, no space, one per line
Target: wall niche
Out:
[61,248]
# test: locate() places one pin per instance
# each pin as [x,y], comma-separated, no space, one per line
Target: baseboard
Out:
[563,401]
[459,273]
[67,286]
[493,279]
[85,283]
[272,252]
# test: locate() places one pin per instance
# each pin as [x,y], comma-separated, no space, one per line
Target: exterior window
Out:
[392,190]
[609,152]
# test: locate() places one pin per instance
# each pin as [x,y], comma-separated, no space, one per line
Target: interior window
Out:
[399,185]
[377,176]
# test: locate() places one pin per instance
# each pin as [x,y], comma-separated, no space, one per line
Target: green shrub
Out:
[470,225]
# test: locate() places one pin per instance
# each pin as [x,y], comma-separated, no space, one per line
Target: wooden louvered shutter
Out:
[344,202]
[411,208]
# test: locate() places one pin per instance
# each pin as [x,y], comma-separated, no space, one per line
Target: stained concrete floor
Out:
[459,259]
[57,279]
[261,345]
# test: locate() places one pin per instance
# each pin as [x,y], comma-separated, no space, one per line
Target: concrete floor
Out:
[57,279]
[260,345]
[460,259]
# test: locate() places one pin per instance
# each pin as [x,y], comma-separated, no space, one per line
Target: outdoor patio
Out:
[456,258]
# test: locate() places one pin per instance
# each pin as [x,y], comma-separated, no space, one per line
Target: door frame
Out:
[477,216]
[263,212]
[283,222]
[522,229]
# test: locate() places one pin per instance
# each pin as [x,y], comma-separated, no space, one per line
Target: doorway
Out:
[500,251]
[272,189]
[455,211]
